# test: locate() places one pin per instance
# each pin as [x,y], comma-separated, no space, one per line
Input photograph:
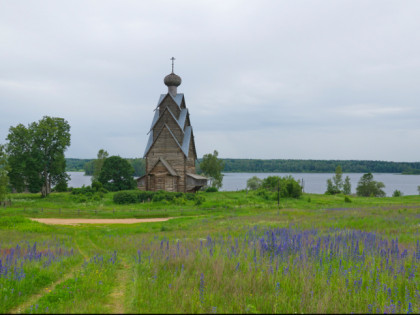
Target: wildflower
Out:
[202,288]
[410,308]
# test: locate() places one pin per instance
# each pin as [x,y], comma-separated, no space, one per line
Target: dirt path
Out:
[35,297]
[117,297]
[31,300]
[96,221]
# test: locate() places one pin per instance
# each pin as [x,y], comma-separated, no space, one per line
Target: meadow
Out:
[236,252]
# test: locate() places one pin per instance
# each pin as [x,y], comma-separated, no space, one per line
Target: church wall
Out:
[173,126]
[166,147]
[159,169]
[170,183]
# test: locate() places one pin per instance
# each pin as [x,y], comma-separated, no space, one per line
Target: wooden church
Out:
[170,151]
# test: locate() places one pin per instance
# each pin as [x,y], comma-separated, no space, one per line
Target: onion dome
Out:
[172,80]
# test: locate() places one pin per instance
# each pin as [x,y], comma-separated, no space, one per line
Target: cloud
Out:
[266,79]
[371,110]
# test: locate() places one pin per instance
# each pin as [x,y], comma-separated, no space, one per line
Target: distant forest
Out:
[275,166]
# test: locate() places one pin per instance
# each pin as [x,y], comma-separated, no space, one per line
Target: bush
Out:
[253,183]
[397,193]
[212,189]
[61,186]
[126,197]
[199,200]
[138,196]
[347,199]
[266,194]
[88,193]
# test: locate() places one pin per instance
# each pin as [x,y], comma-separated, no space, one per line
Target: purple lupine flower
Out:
[202,286]
[410,308]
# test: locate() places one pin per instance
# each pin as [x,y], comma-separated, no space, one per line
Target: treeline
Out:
[276,166]
[76,165]
[318,166]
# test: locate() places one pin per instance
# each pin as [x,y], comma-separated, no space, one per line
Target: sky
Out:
[262,79]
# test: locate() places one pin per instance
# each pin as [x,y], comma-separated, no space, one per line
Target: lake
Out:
[315,183]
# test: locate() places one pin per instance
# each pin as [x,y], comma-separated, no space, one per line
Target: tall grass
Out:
[277,270]
[28,266]
[244,255]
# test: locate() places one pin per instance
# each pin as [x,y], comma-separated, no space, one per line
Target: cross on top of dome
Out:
[172,64]
[172,80]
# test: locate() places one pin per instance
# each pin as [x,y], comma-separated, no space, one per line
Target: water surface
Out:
[315,183]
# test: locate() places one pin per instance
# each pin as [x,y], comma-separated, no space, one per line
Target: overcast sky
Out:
[262,79]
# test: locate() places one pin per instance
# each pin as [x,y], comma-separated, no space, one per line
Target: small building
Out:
[170,153]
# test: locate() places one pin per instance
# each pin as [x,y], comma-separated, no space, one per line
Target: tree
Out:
[367,187]
[338,178]
[335,185]
[212,167]
[331,188]
[36,154]
[117,174]
[418,189]
[288,186]
[23,168]
[88,167]
[4,179]
[139,166]
[347,186]
[253,183]
[98,163]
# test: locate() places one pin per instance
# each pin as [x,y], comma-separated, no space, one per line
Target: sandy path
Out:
[96,221]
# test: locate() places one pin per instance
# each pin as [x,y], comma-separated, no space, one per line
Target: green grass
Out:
[152,272]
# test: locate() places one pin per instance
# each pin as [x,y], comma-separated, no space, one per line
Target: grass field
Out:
[234,253]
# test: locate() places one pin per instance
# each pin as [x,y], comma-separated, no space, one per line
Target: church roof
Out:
[196,176]
[167,166]
[180,121]
[187,130]
[149,143]
[185,142]
[177,98]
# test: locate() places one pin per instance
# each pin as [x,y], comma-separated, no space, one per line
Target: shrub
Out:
[212,189]
[266,194]
[88,193]
[125,197]
[397,193]
[199,200]
[347,199]
[253,183]
[97,186]
[61,186]
[138,196]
